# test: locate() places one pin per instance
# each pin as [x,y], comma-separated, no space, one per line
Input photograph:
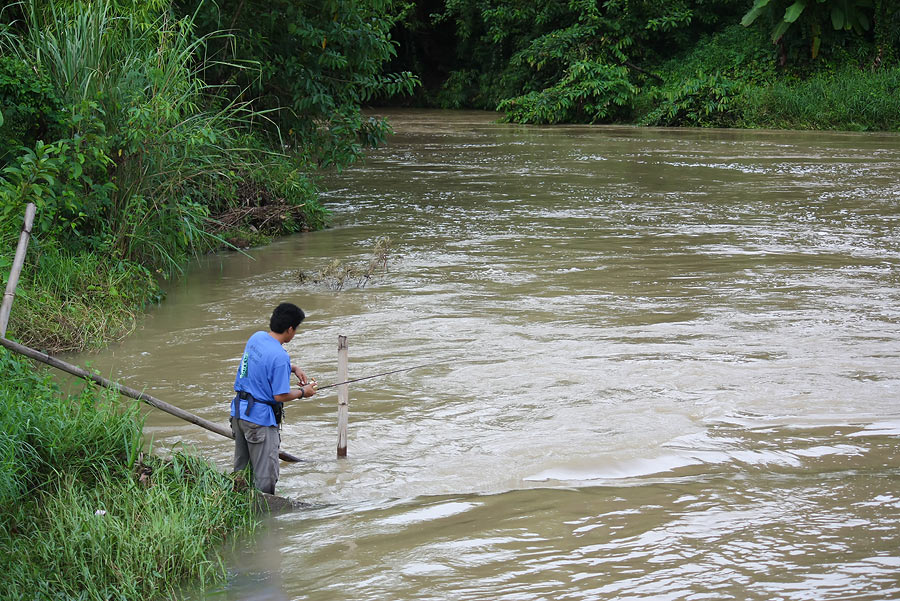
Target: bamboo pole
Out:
[127,391]
[21,249]
[343,397]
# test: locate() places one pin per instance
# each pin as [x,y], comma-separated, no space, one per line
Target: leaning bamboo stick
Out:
[19,260]
[127,391]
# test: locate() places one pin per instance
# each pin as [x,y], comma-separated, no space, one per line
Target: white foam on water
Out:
[632,468]
[888,428]
[429,513]
[702,448]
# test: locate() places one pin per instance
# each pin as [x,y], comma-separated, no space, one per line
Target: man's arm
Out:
[302,393]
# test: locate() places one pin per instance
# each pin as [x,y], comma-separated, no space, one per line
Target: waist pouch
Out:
[277,408]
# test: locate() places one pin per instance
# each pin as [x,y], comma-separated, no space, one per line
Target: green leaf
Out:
[754,12]
[794,11]
[779,30]
[837,18]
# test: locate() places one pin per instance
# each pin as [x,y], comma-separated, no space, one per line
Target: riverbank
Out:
[70,300]
[85,514]
[83,511]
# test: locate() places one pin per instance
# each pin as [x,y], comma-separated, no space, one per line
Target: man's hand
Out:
[309,389]
[300,375]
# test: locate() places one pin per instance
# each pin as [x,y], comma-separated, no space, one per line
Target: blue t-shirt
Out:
[265,371]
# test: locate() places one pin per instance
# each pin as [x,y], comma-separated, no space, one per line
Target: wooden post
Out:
[10,293]
[343,397]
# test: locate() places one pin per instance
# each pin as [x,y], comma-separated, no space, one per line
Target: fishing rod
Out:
[387,373]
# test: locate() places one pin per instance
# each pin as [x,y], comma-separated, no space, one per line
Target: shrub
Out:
[588,92]
[31,109]
[72,207]
[702,101]
[161,138]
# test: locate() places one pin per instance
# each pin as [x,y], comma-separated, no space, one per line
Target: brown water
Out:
[674,375]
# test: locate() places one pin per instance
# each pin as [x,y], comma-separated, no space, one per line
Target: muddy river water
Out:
[671,369]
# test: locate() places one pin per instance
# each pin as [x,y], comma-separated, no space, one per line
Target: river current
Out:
[670,364]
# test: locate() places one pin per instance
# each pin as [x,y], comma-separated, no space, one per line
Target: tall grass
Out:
[169,139]
[84,516]
[72,299]
[847,99]
[149,163]
[68,45]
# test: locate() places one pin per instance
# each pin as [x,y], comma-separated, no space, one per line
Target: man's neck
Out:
[281,338]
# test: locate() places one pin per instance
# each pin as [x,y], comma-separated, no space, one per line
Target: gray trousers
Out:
[258,446]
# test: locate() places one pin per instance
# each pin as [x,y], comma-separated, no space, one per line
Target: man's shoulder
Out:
[266,345]
[258,336]
[262,339]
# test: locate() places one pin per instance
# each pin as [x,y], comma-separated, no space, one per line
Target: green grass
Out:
[846,99]
[71,300]
[730,79]
[83,515]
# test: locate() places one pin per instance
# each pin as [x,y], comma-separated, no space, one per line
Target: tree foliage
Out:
[139,142]
[314,66]
[574,60]
[31,109]
[813,17]
[665,62]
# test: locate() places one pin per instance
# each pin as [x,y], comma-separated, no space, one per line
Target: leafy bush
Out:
[739,53]
[31,109]
[317,64]
[588,92]
[527,54]
[457,89]
[146,139]
[702,101]
[71,207]
[139,160]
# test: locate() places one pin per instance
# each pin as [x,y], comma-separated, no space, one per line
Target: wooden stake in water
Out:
[343,397]
[19,260]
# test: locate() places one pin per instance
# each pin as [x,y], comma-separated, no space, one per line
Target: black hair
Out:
[286,315]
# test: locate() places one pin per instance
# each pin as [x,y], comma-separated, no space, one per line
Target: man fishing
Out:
[262,386]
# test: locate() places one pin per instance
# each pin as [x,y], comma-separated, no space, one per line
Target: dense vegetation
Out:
[733,63]
[84,515]
[146,134]
[148,131]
